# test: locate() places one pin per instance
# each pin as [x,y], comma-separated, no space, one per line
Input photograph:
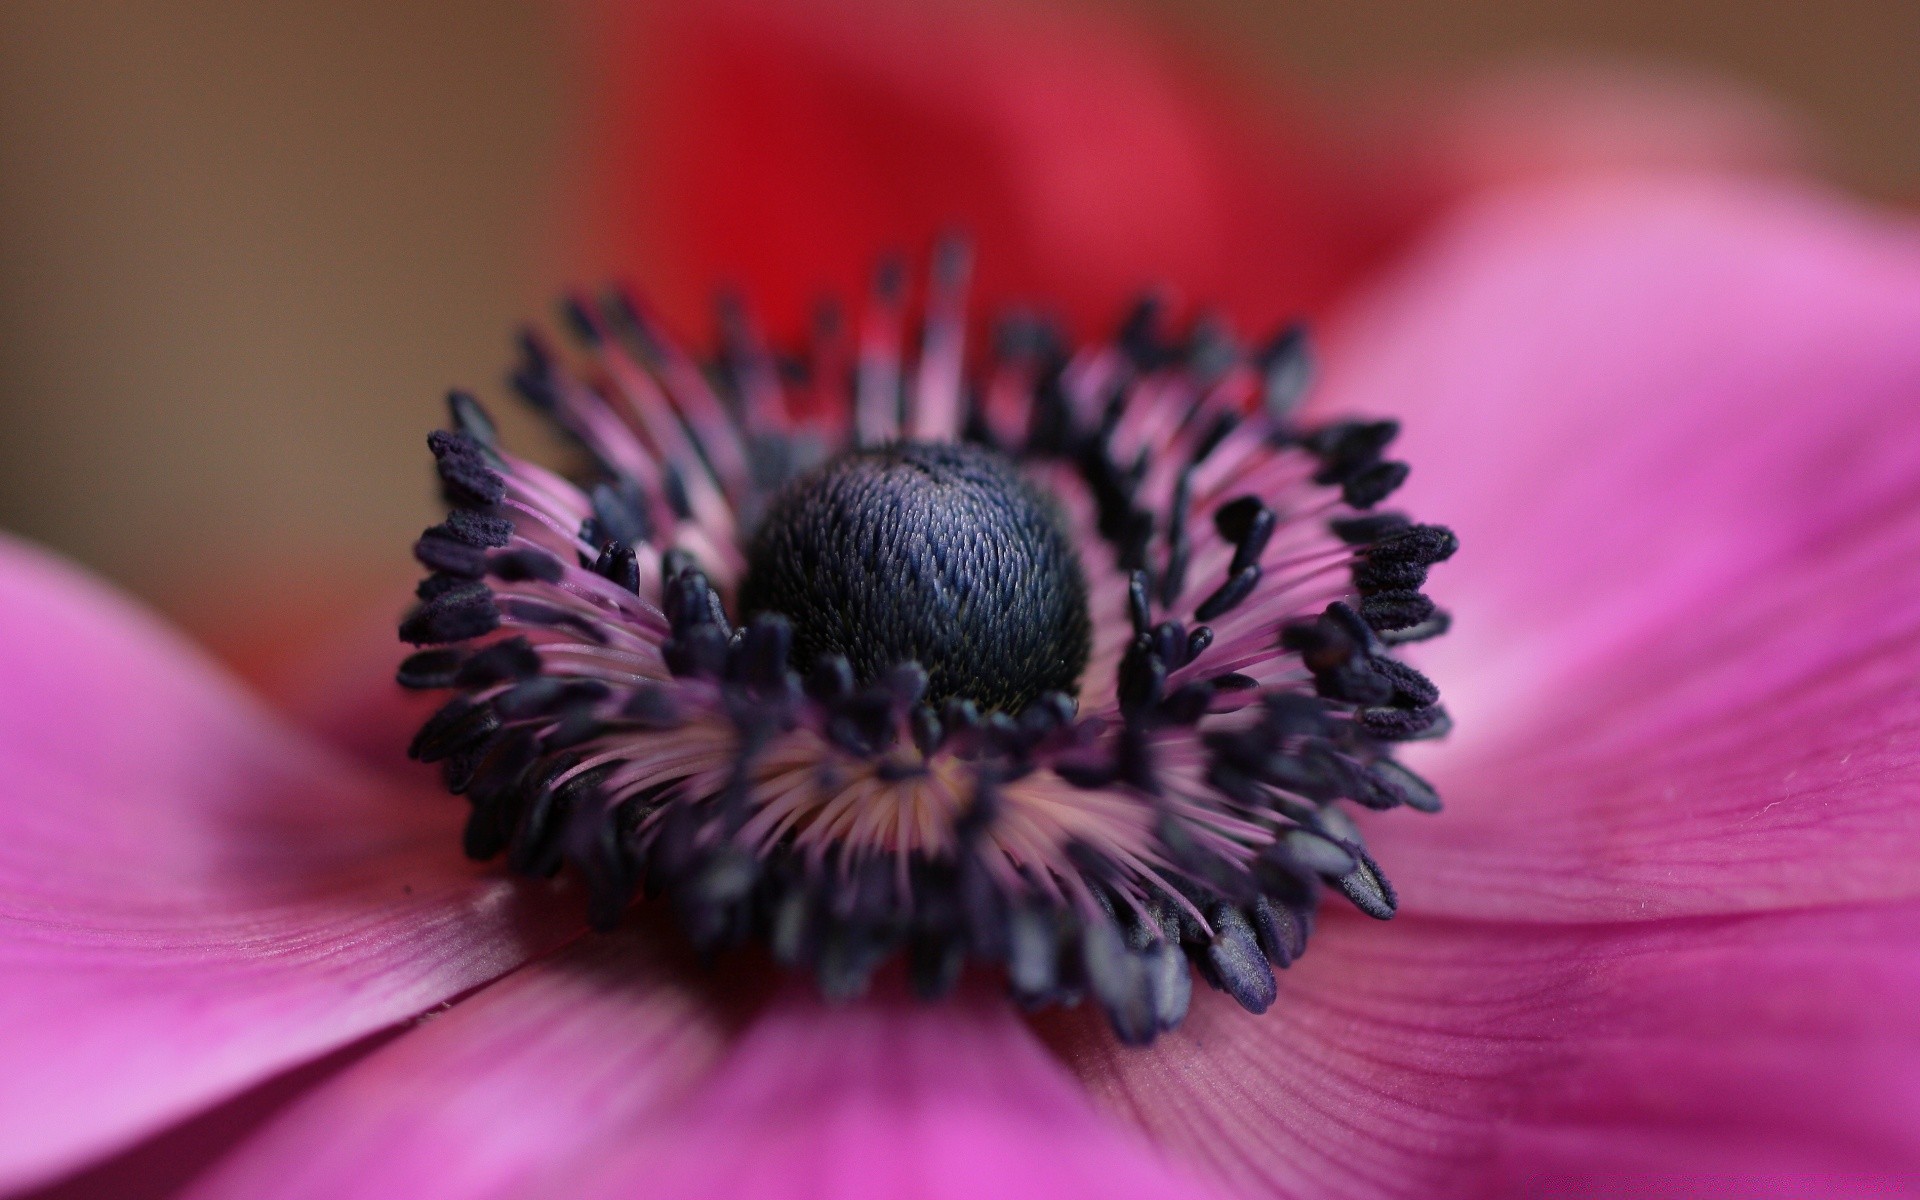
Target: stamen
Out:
[1076,683]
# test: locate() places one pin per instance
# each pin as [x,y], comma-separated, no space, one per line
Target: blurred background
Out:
[244,248]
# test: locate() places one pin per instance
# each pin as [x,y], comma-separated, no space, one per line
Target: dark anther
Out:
[1372,576]
[430,669]
[468,479]
[651,706]
[1169,641]
[1187,704]
[619,563]
[1118,979]
[1359,531]
[1229,594]
[1179,539]
[1254,543]
[1137,602]
[1286,368]
[459,723]
[471,419]
[1369,487]
[579,320]
[438,552]
[547,694]
[507,660]
[1317,854]
[1141,337]
[1222,425]
[439,584]
[1238,962]
[1386,611]
[482,530]
[831,679]
[675,563]
[1423,544]
[1367,887]
[519,566]
[691,602]
[673,488]
[960,715]
[1143,678]
[1411,689]
[1234,519]
[927,733]
[1437,623]
[938,554]
[534,612]
[453,615]
[759,657]
[576,727]
[621,512]
[1198,640]
[1282,932]
[1289,714]
[1349,447]
[699,651]
[1404,786]
[1405,724]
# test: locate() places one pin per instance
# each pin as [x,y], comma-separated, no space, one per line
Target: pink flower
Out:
[1665,940]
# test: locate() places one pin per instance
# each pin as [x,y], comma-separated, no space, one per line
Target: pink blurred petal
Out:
[1674,424]
[567,1059]
[1567,115]
[192,897]
[600,1072]
[880,1100]
[1734,1056]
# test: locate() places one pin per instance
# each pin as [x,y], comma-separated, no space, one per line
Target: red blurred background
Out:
[244,248]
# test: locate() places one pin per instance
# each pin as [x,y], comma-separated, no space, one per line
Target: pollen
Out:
[932,553]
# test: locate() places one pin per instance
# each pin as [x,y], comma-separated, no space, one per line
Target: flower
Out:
[1062,667]
[1664,941]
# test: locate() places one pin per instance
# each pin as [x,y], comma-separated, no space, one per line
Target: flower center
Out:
[932,553]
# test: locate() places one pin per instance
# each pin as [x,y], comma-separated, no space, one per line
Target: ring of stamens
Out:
[801,651]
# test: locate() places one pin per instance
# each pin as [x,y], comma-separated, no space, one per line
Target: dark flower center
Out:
[931,553]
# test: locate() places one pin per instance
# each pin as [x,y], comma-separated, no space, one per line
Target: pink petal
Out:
[565,1059]
[599,1072]
[885,1099]
[191,897]
[1674,425]
[1742,1056]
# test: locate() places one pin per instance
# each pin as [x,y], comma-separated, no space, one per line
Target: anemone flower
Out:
[1664,939]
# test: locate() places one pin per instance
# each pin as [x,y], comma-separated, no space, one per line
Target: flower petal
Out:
[560,1061]
[783,145]
[1673,424]
[1433,1059]
[192,897]
[600,1072]
[886,1098]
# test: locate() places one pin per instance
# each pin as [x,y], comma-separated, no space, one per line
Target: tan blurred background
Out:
[245,247]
